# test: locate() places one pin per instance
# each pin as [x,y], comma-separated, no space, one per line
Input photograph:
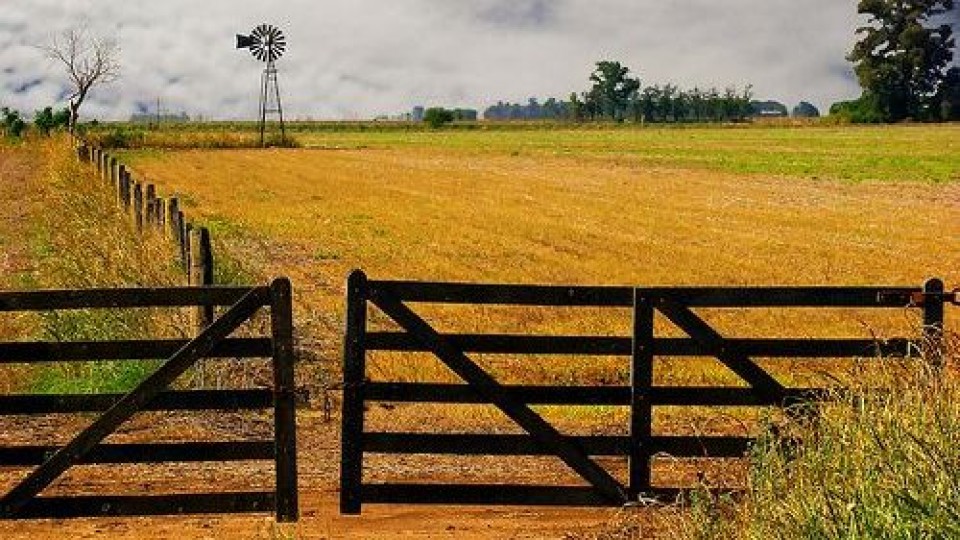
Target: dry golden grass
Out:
[486,215]
[21,195]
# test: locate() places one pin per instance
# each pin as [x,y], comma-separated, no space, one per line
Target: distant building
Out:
[768,109]
[417,114]
[805,110]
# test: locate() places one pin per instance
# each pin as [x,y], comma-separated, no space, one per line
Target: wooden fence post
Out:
[138,206]
[354,369]
[933,301]
[284,411]
[161,215]
[82,153]
[111,170]
[151,198]
[183,237]
[173,213]
[201,271]
[641,384]
[118,187]
[126,191]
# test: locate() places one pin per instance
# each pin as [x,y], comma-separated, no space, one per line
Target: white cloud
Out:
[358,58]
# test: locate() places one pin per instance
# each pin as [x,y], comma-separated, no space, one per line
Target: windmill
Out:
[267,43]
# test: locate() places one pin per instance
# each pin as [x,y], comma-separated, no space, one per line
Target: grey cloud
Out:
[359,58]
[521,13]
[27,86]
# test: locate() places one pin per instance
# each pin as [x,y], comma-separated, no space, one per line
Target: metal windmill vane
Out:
[267,44]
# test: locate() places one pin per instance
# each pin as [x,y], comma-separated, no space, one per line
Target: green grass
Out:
[887,153]
[83,240]
[916,153]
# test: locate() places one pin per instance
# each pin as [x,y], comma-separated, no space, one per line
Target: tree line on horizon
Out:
[902,61]
[657,103]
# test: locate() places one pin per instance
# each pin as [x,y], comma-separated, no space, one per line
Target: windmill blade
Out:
[266,42]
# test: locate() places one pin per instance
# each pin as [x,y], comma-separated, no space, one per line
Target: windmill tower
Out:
[267,44]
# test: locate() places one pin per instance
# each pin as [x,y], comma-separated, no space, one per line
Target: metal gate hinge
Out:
[919,298]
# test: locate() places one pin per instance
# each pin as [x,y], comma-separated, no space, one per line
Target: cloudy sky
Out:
[360,58]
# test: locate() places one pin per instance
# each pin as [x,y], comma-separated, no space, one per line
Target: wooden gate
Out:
[152,394]
[394,298]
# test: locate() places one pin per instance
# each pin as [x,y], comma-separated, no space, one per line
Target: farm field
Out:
[714,206]
[704,206]
[758,206]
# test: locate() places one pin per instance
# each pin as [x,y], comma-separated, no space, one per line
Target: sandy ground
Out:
[318,462]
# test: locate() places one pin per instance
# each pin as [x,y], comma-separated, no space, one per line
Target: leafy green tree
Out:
[12,123]
[666,96]
[436,117]
[900,60]
[865,110]
[612,89]
[576,107]
[696,103]
[649,99]
[46,120]
[950,95]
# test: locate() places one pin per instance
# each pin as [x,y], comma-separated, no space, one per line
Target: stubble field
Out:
[698,206]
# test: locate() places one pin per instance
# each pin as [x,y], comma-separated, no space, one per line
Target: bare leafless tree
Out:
[89,61]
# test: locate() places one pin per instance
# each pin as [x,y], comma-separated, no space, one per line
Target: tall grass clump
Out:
[132,137]
[87,241]
[879,461]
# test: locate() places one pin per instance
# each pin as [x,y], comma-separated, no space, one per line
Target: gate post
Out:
[641,384]
[354,367]
[284,404]
[933,300]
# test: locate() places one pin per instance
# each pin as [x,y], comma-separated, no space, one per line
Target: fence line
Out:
[150,212]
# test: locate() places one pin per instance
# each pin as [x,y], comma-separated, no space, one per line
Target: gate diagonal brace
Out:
[492,391]
[742,365]
[70,454]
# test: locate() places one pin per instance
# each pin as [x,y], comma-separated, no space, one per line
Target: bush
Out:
[436,117]
[865,110]
[12,123]
[46,120]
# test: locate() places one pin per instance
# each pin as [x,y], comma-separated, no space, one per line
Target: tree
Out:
[12,123]
[47,120]
[612,89]
[436,117]
[576,107]
[89,61]
[900,60]
[950,95]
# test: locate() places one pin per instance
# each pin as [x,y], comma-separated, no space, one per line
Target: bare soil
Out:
[319,463]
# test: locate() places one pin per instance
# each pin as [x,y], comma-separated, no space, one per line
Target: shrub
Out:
[436,117]
[12,123]
[865,110]
[46,120]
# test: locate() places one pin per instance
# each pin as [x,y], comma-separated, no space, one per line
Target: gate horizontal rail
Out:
[25,500]
[642,348]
